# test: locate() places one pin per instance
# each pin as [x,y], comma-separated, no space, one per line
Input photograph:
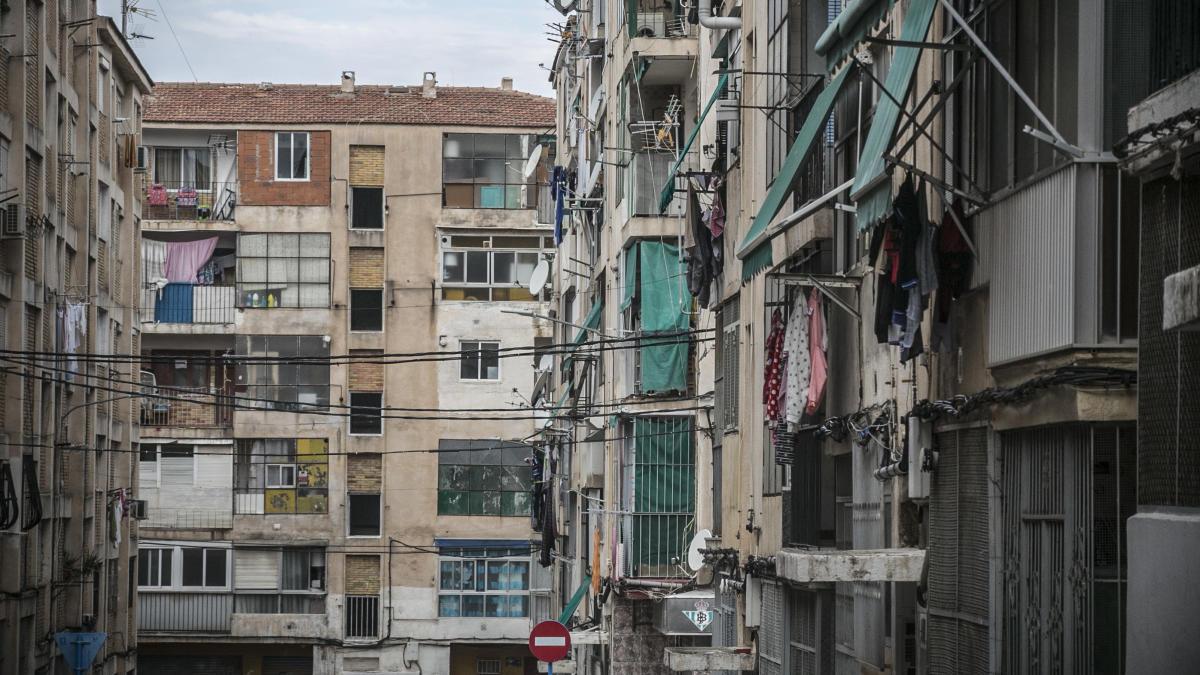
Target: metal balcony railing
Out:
[279,603]
[189,303]
[362,617]
[168,612]
[188,407]
[205,200]
[188,518]
[651,170]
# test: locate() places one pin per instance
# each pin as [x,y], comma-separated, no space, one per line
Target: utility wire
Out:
[174,35]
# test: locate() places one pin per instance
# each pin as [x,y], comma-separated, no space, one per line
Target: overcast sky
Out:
[467,42]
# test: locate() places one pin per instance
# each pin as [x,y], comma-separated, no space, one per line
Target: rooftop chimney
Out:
[347,81]
[429,85]
[506,83]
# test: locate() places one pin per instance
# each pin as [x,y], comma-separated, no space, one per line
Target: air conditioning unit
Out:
[137,509]
[12,221]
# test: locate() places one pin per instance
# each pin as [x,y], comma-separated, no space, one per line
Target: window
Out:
[183,567]
[291,155]
[364,515]
[291,581]
[486,171]
[176,168]
[727,374]
[303,570]
[366,309]
[658,492]
[295,378]
[366,414]
[205,567]
[154,567]
[281,476]
[283,270]
[177,465]
[484,582]
[483,478]
[490,268]
[479,360]
[366,208]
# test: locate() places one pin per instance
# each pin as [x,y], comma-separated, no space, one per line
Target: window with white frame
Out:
[483,582]
[479,360]
[273,581]
[496,268]
[281,475]
[183,567]
[291,155]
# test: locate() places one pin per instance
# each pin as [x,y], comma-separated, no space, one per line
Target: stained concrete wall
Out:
[1163,592]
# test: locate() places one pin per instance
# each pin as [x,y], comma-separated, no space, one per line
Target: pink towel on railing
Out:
[156,195]
[185,258]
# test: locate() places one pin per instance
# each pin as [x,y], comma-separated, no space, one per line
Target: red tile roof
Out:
[211,102]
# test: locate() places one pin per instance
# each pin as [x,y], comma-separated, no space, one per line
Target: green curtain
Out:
[665,309]
[664,491]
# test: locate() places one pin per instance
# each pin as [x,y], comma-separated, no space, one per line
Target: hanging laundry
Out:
[926,240]
[185,258]
[818,342]
[698,244]
[773,371]
[799,362]
[558,189]
[73,320]
[716,213]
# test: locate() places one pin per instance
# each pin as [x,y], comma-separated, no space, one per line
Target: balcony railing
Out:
[189,303]
[651,21]
[272,501]
[189,201]
[166,612]
[362,617]
[279,603]
[188,407]
[651,169]
[188,518]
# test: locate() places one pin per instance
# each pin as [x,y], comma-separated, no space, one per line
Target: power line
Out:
[174,35]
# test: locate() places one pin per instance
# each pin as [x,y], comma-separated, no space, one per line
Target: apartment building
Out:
[917,447]
[71,93]
[328,276]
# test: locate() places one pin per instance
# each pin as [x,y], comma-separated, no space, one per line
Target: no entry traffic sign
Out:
[550,641]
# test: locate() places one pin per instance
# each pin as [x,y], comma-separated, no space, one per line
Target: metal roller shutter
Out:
[256,570]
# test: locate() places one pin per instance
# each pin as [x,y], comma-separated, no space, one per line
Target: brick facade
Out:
[256,172]
[362,574]
[364,473]
[366,165]
[366,267]
[365,376]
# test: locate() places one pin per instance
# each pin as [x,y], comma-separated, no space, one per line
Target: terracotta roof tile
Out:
[213,102]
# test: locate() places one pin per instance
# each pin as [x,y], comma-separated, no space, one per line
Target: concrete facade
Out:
[71,95]
[375,607]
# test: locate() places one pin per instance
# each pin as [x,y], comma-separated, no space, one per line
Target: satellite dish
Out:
[546,363]
[537,280]
[695,559]
[532,163]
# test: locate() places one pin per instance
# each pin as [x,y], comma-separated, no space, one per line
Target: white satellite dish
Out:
[537,280]
[546,363]
[532,163]
[695,559]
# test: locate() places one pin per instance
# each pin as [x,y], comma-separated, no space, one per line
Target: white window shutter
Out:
[256,570]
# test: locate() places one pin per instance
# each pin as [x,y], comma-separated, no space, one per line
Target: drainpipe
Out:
[716,22]
[565,7]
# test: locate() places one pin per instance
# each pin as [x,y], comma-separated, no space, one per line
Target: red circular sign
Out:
[550,641]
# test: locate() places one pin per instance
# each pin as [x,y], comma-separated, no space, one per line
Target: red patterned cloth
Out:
[773,370]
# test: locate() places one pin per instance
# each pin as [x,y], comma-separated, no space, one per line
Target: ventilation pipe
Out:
[429,85]
[565,7]
[707,19]
[347,81]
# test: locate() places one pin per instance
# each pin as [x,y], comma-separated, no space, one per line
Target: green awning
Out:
[575,600]
[665,310]
[756,257]
[872,188]
[849,28]
[590,323]
[668,190]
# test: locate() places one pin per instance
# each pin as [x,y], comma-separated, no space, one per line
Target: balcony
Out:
[188,281]
[285,501]
[184,612]
[187,201]
[187,518]
[186,407]
[188,304]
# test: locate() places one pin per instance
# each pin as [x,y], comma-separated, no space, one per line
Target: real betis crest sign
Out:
[701,616]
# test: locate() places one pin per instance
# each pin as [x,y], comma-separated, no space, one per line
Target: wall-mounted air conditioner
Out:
[12,221]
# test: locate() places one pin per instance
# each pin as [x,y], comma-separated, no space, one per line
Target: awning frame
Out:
[668,189]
